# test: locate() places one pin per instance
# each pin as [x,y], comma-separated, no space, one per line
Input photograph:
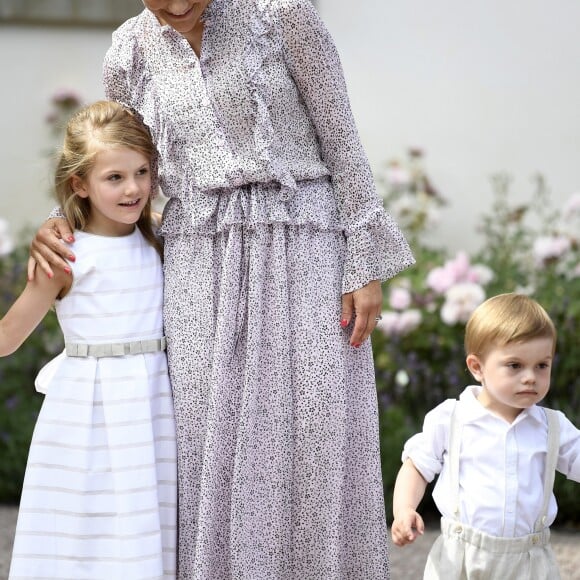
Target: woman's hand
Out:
[364,306]
[47,249]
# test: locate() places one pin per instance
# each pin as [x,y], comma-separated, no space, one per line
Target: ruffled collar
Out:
[212,11]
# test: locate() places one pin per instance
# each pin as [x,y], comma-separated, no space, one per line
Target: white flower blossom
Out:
[409,320]
[550,248]
[399,323]
[399,298]
[481,274]
[6,242]
[460,301]
[402,378]
[572,206]
[397,175]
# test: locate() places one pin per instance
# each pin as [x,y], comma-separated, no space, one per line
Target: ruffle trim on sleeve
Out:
[56,212]
[376,250]
[263,41]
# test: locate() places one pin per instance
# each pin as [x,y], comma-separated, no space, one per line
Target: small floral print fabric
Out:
[272,215]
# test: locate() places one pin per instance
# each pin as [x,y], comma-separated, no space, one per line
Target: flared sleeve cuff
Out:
[56,212]
[376,250]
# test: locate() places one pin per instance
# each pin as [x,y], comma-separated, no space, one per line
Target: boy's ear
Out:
[475,367]
[78,186]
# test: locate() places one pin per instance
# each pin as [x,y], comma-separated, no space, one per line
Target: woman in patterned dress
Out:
[275,246]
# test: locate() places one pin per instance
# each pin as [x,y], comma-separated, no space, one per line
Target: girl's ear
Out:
[78,186]
[475,367]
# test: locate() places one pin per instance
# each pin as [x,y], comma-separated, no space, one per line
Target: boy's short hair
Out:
[504,319]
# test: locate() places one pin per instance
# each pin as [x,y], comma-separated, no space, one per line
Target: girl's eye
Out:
[143,171]
[544,365]
[114,177]
[513,365]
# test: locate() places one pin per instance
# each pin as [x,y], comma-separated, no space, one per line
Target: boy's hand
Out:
[406,527]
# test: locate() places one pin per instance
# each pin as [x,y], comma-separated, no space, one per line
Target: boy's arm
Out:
[409,491]
[29,310]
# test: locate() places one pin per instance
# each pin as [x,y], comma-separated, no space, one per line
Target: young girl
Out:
[496,451]
[99,494]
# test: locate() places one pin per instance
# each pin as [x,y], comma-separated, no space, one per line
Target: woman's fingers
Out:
[47,250]
[367,307]
[347,311]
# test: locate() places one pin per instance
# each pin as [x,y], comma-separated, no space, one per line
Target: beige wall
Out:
[35,63]
[481,86]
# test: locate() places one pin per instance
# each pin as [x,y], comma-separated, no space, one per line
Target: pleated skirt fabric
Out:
[99,494]
[277,421]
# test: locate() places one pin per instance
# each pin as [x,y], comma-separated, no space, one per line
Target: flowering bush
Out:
[63,104]
[418,345]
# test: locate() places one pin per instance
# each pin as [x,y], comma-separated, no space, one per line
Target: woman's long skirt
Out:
[277,423]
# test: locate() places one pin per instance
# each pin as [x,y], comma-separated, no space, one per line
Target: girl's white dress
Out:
[99,494]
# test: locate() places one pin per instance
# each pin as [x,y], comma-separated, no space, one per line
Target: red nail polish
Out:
[70,239]
[49,275]
[356,345]
[343,323]
[71,258]
[67,270]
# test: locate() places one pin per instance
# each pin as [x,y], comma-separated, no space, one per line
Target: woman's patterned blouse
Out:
[265,103]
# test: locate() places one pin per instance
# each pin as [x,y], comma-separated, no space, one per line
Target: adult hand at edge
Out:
[47,249]
[364,305]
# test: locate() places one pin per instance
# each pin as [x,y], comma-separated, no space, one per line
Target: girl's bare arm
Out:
[29,309]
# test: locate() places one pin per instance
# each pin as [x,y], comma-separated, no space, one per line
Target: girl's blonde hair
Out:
[101,125]
[505,319]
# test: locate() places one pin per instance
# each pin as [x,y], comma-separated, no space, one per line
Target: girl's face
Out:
[117,187]
[182,15]
[514,377]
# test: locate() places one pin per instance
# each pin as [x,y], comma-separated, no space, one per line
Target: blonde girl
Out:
[98,499]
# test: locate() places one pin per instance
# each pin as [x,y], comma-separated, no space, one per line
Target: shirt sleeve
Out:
[428,448]
[121,64]
[56,212]
[376,248]
[569,456]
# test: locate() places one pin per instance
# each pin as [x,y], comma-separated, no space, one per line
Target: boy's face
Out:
[514,376]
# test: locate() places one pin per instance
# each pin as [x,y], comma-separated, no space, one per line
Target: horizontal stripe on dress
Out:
[104,425]
[91,403]
[166,574]
[116,379]
[93,470]
[67,513]
[104,315]
[70,491]
[115,292]
[139,267]
[138,536]
[87,559]
[117,447]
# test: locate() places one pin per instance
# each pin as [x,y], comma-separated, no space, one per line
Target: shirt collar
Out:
[472,409]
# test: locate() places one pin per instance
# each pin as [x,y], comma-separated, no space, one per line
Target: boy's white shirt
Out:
[501,466]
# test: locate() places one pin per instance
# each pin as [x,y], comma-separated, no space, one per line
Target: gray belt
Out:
[115,349]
